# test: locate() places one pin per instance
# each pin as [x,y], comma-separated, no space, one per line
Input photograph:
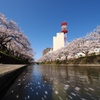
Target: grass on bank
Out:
[9,59]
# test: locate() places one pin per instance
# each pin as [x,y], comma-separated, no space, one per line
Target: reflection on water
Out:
[38,82]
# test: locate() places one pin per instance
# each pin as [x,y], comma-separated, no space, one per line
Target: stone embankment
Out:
[92,65]
[8,74]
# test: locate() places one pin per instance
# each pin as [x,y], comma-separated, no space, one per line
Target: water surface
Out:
[39,82]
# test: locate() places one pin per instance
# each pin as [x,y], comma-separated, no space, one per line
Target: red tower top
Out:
[64,23]
[64,27]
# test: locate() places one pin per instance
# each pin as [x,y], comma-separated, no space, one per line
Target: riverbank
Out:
[8,74]
[75,65]
[92,65]
[91,59]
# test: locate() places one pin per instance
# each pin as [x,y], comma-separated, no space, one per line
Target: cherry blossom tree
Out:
[13,40]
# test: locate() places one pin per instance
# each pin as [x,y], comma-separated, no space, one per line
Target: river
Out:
[52,82]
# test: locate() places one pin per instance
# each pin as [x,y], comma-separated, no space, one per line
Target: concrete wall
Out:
[7,79]
[58,41]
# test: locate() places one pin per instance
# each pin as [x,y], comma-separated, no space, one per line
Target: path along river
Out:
[39,82]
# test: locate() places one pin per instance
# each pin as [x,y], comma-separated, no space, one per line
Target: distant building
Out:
[58,41]
[46,51]
[96,51]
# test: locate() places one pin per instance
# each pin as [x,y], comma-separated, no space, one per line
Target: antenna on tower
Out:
[64,30]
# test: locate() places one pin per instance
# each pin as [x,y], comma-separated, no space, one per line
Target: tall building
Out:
[58,41]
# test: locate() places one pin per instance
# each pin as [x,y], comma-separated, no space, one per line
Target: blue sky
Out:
[40,20]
